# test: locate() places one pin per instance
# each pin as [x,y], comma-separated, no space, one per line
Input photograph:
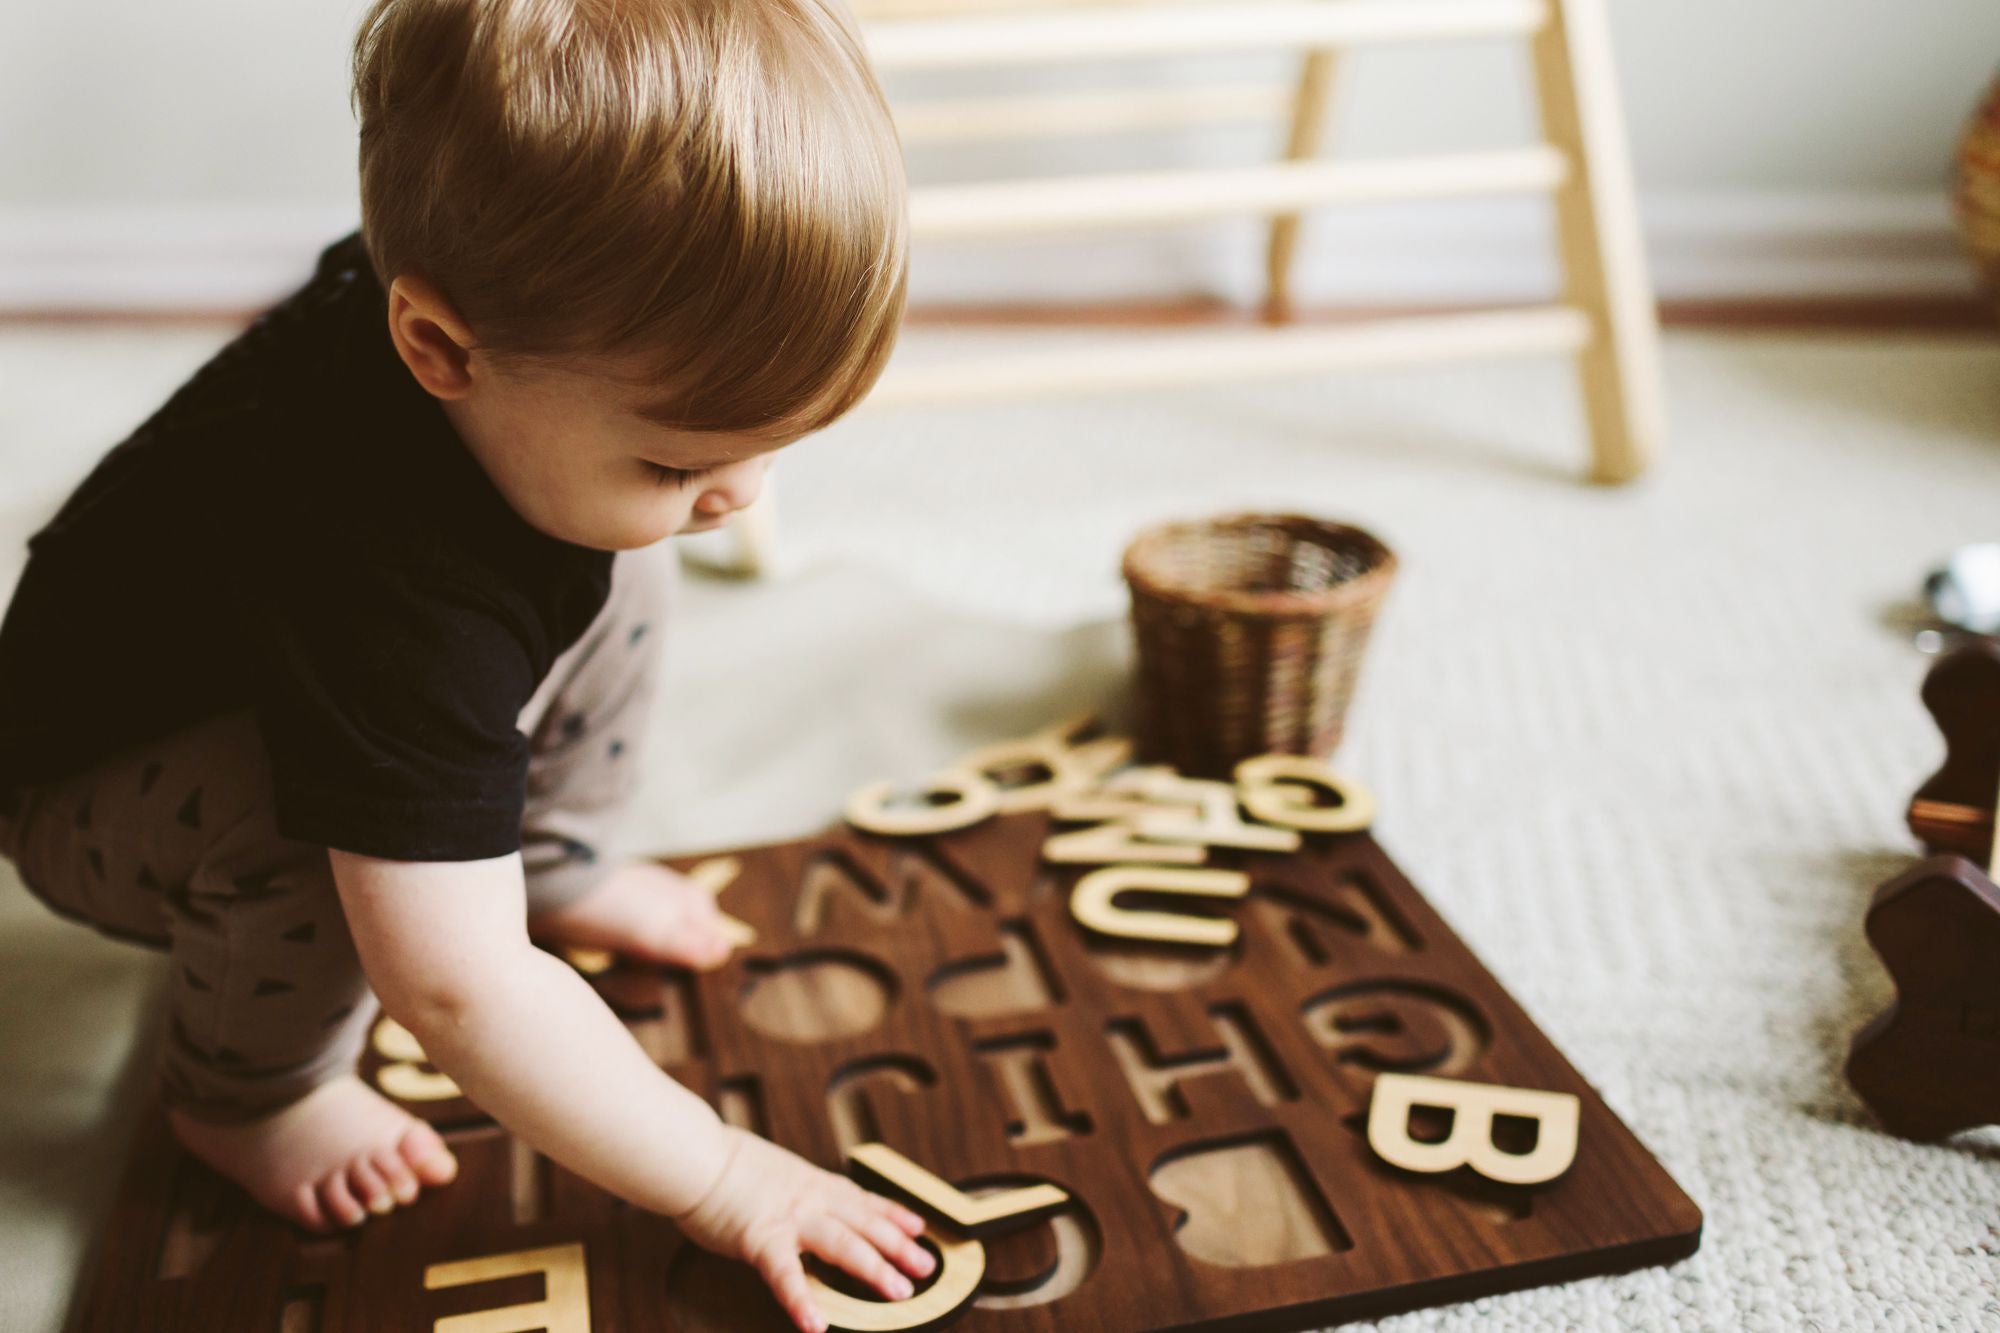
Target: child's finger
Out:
[881,1231]
[833,1240]
[910,1223]
[887,1207]
[778,1262]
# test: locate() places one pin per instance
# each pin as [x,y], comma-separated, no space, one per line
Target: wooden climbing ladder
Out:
[1603,316]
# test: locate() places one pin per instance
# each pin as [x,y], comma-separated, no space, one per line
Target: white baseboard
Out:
[1722,245]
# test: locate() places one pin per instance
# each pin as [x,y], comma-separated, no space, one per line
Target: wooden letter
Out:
[880,1166]
[872,808]
[1091,904]
[1219,824]
[716,874]
[565,1303]
[402,1078]
[1473,1106]
[1114,843]
[961,1266]
[1277,789]
[1071,767]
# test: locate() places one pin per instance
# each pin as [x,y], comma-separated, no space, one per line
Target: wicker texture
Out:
[1979,190]
[1250,631]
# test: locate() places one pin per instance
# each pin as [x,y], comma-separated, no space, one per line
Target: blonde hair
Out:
[711,186]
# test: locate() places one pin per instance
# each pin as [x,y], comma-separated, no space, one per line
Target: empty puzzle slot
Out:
[917,871]
[1314,924]
[1036,1110]
[304,1311]
[1016,980]
[850,1104]
[834,883]
[816,997]
[1247,1203]
[1156,1081]
[203,1206]
[740,1102]
[1042,1264]
[527,1183]
[1405,1027]
[831,876]
[1158,967]
[672,1034]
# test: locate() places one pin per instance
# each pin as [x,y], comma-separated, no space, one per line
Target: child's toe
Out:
[369,1187]
[427,1155]
[304,1208]
[338,1199]
[402,1181]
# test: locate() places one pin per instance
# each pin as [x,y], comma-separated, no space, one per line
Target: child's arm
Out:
[445,946]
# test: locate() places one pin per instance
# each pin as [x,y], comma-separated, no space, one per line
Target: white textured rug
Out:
[1647,748]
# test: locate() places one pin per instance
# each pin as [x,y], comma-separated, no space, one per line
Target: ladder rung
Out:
[1220,356]
[1121,32]
[1067,115]
[1122,199]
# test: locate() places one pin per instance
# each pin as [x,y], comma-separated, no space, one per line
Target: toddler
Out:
[331,679]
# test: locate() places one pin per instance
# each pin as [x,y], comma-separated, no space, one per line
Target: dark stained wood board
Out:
[1205,1111]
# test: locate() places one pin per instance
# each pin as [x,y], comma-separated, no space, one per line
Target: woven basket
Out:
[1979,190]
[1250,632]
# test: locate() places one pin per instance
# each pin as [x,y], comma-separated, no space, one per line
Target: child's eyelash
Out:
[674,476]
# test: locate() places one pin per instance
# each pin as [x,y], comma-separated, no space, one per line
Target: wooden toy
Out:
[1929,1065]
[1182,1134]
[1953,810]
[1093,904]
[1474,1107]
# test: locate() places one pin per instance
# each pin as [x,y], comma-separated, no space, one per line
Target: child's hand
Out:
[769,1204]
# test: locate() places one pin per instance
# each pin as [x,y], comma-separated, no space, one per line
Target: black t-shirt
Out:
[299,530]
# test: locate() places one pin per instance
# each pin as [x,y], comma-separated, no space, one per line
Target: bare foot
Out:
[645,910]
[328,1159]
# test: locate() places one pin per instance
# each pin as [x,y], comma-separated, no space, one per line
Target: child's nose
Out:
[739,490]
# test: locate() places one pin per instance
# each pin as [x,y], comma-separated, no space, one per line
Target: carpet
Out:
[1646,748]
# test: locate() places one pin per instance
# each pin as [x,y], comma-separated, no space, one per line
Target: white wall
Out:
[162,153]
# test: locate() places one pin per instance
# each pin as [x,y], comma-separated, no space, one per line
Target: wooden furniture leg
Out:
[1308,132]
[1603,258]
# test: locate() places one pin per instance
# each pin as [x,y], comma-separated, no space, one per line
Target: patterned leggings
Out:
[173,844]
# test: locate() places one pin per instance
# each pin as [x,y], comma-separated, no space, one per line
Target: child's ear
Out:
[430,337]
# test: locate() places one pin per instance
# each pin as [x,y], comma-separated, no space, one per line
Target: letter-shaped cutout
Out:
[1473,1106]
[1276,788]
[1091,903]
[401,1078]
[879,1165]
[872,809]
[565,1303]
[1219,823]
[961,1267]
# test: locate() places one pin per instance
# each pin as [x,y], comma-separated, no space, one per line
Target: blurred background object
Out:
[168,158]
[1979,190]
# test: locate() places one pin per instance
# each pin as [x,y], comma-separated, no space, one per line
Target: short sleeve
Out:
[389,693]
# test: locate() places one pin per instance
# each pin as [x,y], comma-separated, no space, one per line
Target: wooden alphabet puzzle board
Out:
[1205,1110]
